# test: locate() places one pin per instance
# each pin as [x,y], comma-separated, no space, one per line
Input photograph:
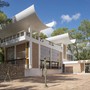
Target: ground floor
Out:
[26,58]
[54,82]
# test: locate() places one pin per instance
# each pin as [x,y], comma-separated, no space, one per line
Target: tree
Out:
[59,31]
[36,35]
[43,36]
[3,3]
[3,21]
[79,38]
[82,36]
[85,29]
[3,17]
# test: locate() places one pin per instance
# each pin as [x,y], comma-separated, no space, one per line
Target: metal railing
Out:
[16,61]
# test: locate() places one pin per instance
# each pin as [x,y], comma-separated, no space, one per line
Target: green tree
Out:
[3,21]
[4,3]
[79,38]
[36,35]
[59,31]
[43,36]
[85,29]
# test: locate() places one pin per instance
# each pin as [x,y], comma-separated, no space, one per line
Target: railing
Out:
[13,37]
[24,36]
[16,61]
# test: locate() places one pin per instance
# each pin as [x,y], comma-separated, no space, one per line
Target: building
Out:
[21,49]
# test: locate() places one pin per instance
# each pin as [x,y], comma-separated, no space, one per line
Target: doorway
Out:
[87,68]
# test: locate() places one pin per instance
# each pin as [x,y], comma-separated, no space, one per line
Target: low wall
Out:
[15,71]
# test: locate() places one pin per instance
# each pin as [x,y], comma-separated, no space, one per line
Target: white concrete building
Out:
[19,45]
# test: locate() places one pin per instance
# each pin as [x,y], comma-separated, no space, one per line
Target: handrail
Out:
[14,61]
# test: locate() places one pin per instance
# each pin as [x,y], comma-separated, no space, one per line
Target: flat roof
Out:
[70,62]
[22,21]
[64,39]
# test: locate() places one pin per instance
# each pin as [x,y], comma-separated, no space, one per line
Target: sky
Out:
[64,13]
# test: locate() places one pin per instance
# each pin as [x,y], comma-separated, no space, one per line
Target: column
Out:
[62,58]
[26,51]
[15,52]
[39,52]
[51,58]
[30,48]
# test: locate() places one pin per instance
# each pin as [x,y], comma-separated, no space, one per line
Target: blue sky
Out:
[66,13]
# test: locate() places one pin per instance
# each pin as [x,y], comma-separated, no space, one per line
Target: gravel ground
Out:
[54,82]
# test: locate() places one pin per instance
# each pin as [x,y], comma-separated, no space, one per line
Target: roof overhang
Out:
[70,62]
[22,21]
[64,39]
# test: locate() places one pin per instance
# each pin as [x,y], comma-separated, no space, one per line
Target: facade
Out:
[21,48]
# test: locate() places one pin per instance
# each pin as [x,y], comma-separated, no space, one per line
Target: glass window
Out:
[22,33]
[10,53]
[20,51]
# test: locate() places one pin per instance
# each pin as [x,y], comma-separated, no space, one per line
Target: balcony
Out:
[21,36]
[25,36]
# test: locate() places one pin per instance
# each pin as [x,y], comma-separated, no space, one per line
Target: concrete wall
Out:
[73,68]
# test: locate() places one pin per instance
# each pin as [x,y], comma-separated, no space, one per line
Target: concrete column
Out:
[62,58]
[30,48]
[84,67]
[26,51]
[39,52]
[50,57]
[15,52]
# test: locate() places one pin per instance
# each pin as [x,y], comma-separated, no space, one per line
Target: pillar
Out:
[30,48]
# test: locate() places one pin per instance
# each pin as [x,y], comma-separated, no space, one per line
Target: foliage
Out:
[85,29]
[43,36]
[36,35]
[82,36]
[59,31]
[3,3]
[3,17]
[3,21]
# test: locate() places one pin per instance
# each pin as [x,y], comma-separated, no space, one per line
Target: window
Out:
[28,34]
[50,64]
[22,33]
[10,53]
[17,35]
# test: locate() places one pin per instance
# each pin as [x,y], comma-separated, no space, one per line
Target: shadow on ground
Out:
[20,88]
[50,79]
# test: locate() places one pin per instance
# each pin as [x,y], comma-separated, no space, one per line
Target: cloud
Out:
[67,18]
[76,16]
[51,24]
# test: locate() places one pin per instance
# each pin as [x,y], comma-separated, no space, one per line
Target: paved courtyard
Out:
[55,82]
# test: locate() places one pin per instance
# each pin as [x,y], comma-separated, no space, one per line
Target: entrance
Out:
[87,68]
